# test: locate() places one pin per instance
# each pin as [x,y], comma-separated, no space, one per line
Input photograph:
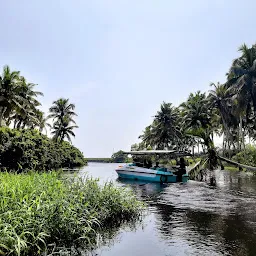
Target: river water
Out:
[187,219]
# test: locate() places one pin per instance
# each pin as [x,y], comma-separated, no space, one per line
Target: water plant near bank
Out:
[38,210]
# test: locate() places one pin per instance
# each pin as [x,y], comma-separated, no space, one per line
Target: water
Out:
[188,219]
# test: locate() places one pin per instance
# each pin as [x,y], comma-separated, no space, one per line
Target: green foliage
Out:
[247,156]
[164,132]
[229,110]
[28,149]
[119,157]
[18,101]
[19,106]
[37,210]
[62,113]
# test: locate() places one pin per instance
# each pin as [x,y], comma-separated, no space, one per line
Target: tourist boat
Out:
[135,171]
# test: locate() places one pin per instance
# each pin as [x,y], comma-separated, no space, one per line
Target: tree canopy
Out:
[25,146]
[227,109]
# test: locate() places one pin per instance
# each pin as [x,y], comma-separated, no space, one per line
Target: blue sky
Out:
[118,60]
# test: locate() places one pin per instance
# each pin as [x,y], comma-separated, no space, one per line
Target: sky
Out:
[118,60]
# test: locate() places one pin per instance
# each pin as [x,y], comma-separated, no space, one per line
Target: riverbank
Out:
[39,209]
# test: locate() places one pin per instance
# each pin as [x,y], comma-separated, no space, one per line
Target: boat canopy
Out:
[158,152]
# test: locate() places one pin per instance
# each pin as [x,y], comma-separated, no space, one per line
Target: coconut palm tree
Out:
[42,121]
[29,95]
[62,108]
[62,113]
[166,127]
[195,111]
[196,114]
[148,137]
[221,100]
[9,93]
[242,75]
[63,129]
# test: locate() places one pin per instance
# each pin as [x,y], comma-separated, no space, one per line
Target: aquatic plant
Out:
[39,210]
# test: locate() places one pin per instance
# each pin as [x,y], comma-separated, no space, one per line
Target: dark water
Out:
[188,219]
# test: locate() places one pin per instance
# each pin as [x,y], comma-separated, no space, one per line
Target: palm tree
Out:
[62,108]
[220,99]
[195,111]
[42,123]
[196,114]
[148,137]
[27,92]
[242,75]
[28,114]
[166,127]
[62,129]
[25,118]
[18,99]
[62,113]
[9,93]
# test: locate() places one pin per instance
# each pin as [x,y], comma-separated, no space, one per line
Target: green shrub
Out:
[28,149]
[38,209]
[247,156]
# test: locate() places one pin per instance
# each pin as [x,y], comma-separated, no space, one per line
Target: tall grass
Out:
[41,209]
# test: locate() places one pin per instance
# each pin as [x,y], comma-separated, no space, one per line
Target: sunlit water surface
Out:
[187,219]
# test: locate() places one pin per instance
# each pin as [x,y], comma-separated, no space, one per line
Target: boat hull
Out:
[150,175]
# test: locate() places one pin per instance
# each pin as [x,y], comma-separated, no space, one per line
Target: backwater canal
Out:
[187,219]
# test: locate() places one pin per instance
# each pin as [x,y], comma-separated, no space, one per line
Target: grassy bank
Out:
[41,209]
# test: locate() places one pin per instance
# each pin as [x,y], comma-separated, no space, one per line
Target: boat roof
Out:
[158,152]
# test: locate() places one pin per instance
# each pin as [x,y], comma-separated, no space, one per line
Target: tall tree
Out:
[62,113]
[9,93]
[195,111]
[63,129]
[221,99]
[196,115]
[62,108]
[42,121]
[242,75]
[165,130]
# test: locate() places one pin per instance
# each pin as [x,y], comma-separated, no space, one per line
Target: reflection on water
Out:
[188,219]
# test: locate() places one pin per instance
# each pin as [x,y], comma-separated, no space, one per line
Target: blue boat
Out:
[135,171]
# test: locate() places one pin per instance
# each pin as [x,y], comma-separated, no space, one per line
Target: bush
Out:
[119,157]
[247,156]
[29,149]
[38,209]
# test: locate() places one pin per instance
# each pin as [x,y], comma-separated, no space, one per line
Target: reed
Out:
[41,209]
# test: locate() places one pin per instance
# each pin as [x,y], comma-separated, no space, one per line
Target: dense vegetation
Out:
[42,211]
[28,149]
[120,157]
[39,210]
[229,109]
[25,147]
[246,156]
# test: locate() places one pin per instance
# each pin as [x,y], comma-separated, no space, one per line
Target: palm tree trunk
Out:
[253,103]
[223,145]
[2,110]
[229,148]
